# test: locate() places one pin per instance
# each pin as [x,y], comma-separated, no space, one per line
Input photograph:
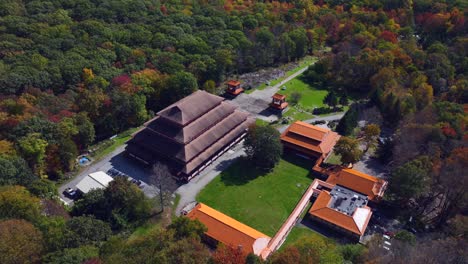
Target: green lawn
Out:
[296,234]
[260,200]
[333,159]
[310,96]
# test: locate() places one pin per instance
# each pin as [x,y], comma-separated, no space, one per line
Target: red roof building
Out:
[309,140]
[229,231]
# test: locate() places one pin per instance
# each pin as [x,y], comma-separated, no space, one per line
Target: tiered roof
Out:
[190,131]
[229,231]
[317,140]
[360,182]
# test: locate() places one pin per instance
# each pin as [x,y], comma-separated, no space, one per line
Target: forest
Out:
[73,73]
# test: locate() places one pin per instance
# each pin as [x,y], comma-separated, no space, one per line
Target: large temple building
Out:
[189,134]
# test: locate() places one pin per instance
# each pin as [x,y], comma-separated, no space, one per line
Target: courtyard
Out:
[262,200]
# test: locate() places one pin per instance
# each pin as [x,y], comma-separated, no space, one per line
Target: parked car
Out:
[112,172]
[70,193]
[137,183]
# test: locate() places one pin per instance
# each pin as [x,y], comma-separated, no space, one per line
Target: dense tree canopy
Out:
[263,146]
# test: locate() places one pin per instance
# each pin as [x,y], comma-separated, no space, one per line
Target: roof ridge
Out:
[229,225]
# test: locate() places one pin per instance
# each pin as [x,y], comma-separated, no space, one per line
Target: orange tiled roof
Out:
[358,181]
[321,210]
[233,83]
[310,137]
[279,96]
[228,230]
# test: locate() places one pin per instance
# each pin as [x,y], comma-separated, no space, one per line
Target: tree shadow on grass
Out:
[300,162]
[241,172]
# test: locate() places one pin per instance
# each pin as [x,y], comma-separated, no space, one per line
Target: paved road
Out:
[188,192]
[325,118]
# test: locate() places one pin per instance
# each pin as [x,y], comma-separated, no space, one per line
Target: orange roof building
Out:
[234,88]
[312,141]
[278,102]
[343,210]
[229,231]
[360,182]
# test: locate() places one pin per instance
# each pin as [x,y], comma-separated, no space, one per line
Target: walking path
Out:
[283,232]
[268,92]
[324,118]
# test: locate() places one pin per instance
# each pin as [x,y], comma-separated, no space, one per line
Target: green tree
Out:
[17,202]
[295,98]
[43,188]
[72,255]
[263,146]
[412,179]
[312,249]
[348,122]
[371,134]
[209,86]
[125,203]
[405,236]
[15,171]
[179,86]
[348,149]
[86,230]
[331,99]
[20,242]
[86,133]
[33,147]
[353,252]
[343,100]
[186,228]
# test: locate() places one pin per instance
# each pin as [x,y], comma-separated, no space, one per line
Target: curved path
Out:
[269,91]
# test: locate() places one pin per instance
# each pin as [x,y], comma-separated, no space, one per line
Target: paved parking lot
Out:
[120,162]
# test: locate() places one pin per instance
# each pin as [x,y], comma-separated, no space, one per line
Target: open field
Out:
[260,200]
[311,97]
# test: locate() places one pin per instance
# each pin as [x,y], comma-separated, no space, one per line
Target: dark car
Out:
[70,193]
[112,172]
[137,182]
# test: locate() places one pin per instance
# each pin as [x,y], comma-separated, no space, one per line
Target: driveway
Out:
[188,192]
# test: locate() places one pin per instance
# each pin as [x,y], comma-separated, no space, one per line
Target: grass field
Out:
[260,200]
[310,97]
[298,233]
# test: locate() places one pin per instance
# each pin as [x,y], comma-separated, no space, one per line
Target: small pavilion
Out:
[278,102]
[234,88]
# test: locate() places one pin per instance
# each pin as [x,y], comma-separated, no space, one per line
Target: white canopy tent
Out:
[95,180]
